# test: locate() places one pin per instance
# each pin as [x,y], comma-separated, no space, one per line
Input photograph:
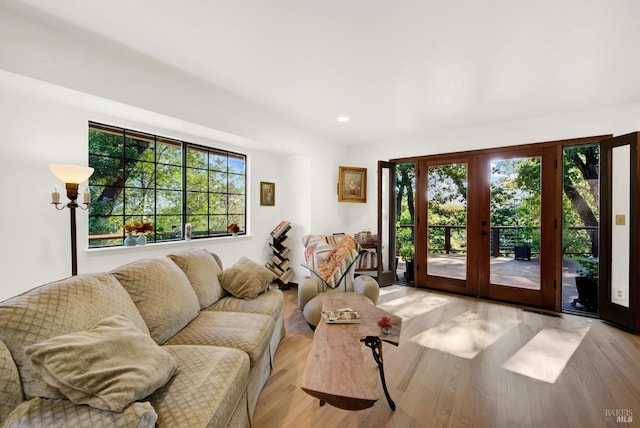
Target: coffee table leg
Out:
[375,344]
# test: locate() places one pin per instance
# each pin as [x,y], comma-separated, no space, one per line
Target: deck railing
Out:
[503,239]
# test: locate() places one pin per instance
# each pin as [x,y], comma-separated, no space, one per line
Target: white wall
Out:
[43,124]
[53,81]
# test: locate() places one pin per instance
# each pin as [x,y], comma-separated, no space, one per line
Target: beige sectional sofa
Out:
[156,342]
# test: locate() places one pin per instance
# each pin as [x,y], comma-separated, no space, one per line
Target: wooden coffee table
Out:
[336,372]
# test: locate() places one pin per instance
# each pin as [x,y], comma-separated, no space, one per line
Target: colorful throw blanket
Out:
[330,257]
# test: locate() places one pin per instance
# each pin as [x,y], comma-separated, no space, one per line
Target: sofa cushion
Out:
[202,270]
[250,333]
[208,387]
[58,308]
[269,303]
[10,387]
[246,279]
[42,412]
[162,293]
[77,364]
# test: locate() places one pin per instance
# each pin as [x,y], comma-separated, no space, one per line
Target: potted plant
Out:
[587,283]
[524,238]
[407,253]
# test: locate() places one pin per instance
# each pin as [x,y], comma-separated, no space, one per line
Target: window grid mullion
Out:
[141,162]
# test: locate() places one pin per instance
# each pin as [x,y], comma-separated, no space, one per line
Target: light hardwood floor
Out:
[459,364]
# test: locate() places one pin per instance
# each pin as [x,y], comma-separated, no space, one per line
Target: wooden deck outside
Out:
[505,271]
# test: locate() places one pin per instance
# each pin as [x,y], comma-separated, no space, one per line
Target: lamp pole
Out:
[72,176]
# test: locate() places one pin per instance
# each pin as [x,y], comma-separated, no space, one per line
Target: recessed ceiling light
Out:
[343,119]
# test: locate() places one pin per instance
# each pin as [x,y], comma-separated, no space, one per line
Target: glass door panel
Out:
[515,213]
[516,255]
[385,247]
[447,220]
[580,224]
[405,220]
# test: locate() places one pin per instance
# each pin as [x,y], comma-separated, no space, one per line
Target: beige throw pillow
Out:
[246,279]
[202,270]
[107,366]
[162,293]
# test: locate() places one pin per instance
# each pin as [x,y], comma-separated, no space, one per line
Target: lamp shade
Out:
[71,173]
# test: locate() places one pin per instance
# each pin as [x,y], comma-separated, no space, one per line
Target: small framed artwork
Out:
[267,193]
[352,184]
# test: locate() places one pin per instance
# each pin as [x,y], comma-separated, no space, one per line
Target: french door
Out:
[486,224]
[619,300]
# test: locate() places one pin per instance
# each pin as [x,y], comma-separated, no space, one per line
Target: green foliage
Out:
[138,178]
[580,200]
[407,251]
[405,204]
[589,267]
[404,235]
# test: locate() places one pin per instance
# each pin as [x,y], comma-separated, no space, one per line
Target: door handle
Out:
[483,233]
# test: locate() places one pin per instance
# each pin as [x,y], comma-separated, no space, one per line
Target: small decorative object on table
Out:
[341,316]
[385,325]
[233,228]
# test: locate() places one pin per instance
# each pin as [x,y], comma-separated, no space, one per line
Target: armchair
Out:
[331,263]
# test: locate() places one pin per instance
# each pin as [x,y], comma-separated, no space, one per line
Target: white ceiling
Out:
[396,67]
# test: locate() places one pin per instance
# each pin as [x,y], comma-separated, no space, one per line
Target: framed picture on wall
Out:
[267,193]
[352,184]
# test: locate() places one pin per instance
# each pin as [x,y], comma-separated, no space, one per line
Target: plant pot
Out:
[523,252]
[408,273]
[587,293]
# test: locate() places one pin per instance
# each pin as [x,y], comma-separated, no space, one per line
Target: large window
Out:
[167,183]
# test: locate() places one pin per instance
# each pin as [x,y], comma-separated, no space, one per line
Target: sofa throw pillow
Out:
[62,307]
[246,279]
[107,366]
[162,293]
[202,270]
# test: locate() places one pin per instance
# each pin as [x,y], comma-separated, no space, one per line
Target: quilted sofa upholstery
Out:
[223,346]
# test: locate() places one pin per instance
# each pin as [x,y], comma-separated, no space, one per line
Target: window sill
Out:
[171,244]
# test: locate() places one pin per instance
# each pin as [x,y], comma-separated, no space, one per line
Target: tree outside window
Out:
[166,182]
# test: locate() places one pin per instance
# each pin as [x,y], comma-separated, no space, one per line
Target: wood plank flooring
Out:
[455,368]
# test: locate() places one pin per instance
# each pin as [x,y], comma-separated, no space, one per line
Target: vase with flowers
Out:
[140,228]
[385,325]
[234,228]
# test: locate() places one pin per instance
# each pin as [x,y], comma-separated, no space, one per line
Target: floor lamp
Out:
[72,176]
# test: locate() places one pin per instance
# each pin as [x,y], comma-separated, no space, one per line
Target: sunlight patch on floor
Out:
[413,305]
[393,289]
[546,355]
[467,334]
